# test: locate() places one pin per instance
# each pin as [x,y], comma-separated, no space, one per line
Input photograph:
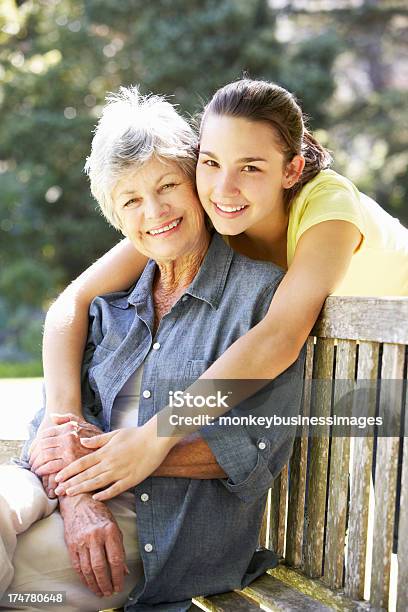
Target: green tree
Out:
[58,58]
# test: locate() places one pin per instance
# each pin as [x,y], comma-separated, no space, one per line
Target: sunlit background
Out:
[346,60]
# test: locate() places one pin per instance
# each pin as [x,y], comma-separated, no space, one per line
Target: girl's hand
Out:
[123,458]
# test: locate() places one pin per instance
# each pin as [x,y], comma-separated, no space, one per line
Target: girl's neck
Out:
[266,240]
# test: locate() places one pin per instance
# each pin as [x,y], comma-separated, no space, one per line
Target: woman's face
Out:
[240,173]
[159,210]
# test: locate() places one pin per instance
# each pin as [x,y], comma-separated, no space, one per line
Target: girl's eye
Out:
[249,168]
[211,163]
[167,186]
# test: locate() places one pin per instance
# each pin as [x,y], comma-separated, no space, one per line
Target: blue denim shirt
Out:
[197,537]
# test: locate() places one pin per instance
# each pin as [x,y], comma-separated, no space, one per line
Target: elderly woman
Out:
[192,526]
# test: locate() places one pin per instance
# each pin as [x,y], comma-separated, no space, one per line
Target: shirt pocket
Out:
[195,367]
[100,354]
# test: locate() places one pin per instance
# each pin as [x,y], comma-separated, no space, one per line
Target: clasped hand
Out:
[57,445]
[120,458]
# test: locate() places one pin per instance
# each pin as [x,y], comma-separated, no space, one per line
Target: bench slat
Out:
[385,480]
[278,512]
[264,532]
[373,319]
[338,481]
[319,449]
[362,457]
[298,471]
[279,596]
[315,589]
[402,592]
[9,449]
[226,602]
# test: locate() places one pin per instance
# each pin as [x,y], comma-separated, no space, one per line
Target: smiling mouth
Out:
[230,211]
[165,229]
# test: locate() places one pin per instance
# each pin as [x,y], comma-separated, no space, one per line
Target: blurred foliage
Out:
[59,58]
[27,369]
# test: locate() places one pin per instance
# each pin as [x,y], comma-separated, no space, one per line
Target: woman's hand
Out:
[123,458]
[57,445]
[95,544]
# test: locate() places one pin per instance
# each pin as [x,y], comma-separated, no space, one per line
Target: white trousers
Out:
[33,553]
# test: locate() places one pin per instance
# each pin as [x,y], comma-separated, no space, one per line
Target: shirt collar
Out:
[209,283]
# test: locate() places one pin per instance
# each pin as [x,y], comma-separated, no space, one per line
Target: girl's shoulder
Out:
[324,183]
[328,194]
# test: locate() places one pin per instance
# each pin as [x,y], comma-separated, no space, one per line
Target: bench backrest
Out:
[324,515]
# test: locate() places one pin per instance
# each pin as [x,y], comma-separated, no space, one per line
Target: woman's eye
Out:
[211,163]
[132,202]
[249,168]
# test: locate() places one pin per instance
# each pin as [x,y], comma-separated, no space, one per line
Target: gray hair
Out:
[134,128]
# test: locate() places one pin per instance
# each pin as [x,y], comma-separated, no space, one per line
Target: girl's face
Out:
[241,174]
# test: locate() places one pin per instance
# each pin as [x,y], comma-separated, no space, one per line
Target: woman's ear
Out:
[293,171]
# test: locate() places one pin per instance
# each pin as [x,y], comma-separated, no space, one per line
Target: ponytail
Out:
[317,158]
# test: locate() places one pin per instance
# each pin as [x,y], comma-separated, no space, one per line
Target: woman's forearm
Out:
[66,325]
[190,458]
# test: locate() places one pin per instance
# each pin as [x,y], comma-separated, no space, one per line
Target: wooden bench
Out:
[332,527]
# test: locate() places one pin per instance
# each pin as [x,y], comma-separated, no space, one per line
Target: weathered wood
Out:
[277,595]
[277,517]
[402,591]
[298,469]
[360,481]
[319,448]
[385,479]
[339,467]
[226,602]
[283,500]
[9,449]
[316,589]
[374,319]
[264,532]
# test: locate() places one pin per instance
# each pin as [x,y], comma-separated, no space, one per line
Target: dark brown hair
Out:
[267,102]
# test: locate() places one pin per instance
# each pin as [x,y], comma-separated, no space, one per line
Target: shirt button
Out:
[148,547]
[146,393]
[144,497]
[184,298]
[261,445]
[156,346]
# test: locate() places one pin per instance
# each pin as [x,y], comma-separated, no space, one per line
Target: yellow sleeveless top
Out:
[380,265]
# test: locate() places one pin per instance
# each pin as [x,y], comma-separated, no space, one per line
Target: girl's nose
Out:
[227,186]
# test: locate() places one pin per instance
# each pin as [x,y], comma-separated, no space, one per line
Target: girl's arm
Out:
[321,260]
[66,324]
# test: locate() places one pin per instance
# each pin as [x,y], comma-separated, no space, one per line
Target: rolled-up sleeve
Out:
[252,455]
[245,463]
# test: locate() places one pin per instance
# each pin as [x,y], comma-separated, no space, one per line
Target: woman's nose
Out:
[154,209]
